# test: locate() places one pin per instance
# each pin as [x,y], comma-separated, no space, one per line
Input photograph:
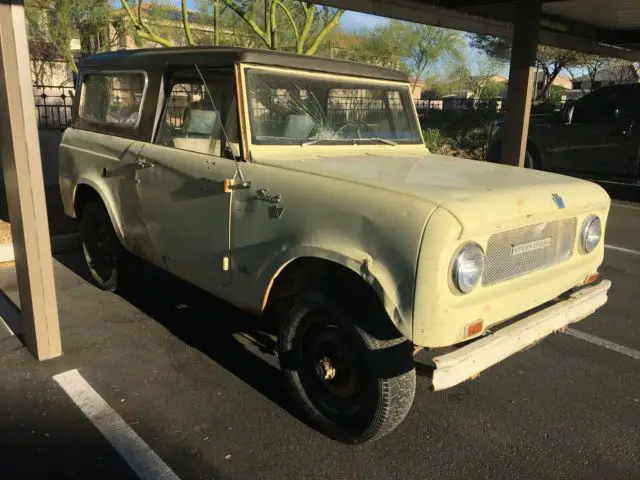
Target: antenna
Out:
[243,182]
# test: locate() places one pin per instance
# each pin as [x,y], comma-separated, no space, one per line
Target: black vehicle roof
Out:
[227,56]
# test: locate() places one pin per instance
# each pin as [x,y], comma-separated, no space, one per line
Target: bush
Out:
[463,133]
[433,140]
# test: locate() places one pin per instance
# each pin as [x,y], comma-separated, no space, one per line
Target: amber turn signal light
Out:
[593,277]
[473,329]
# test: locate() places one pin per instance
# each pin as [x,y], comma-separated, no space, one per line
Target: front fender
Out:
[371,270]
[107,200]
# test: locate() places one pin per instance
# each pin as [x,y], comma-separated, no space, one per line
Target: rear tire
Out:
[495,152]
[352,382]
[111,266]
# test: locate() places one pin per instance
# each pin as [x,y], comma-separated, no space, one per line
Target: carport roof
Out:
[605,27]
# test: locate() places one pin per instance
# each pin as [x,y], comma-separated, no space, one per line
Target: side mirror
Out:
[567,114]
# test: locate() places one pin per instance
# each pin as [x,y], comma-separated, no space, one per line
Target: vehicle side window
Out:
[597,107]
[192,115]
[113,98]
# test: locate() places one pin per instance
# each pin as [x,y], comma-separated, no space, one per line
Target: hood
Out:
[479,194]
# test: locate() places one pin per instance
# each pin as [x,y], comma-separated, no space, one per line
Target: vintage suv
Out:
[277,179]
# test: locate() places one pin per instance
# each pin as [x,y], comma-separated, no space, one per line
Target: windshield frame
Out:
[403,87]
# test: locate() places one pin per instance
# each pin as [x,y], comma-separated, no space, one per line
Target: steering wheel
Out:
[358,124]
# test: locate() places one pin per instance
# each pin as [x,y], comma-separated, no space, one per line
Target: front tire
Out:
[111,266]
[352,382]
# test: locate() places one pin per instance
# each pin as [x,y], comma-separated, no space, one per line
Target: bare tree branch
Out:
[142,29]
[335,20]
[273,24]
[286,11]
[186,24]
[309,14]
[246,16]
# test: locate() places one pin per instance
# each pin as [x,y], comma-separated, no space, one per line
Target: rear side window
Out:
[113,98]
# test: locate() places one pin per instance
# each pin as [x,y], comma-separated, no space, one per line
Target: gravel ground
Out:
[5,232]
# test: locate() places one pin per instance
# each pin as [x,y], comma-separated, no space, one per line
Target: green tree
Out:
[492,89]
[306,23]
[385,45]
[414,48]
[589,65]
[53,24]
[550,61]
[290,25]
[482,83]
[428,45]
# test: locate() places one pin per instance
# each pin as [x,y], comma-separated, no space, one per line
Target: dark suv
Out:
[598,136]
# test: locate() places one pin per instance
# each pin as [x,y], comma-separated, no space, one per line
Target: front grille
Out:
[526,249]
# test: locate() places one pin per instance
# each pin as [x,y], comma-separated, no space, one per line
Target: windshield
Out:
[288,109]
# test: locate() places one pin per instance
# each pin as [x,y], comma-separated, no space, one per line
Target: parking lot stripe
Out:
[629,352]
[140,457]
[621,249]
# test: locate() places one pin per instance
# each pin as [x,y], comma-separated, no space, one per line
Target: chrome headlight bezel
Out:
[468,255]
[591,225]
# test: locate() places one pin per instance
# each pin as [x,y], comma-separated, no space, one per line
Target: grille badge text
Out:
[530,246]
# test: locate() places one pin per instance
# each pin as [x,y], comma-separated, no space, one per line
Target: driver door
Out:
[181,179]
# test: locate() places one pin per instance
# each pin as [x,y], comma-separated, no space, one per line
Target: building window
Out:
[114,98]
[576,85]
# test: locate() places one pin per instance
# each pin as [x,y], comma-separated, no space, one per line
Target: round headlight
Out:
[467,268]
[591,233]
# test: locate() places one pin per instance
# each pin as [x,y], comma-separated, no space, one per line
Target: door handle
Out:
[142,163]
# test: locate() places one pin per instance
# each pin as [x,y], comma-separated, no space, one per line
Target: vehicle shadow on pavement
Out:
[243,344]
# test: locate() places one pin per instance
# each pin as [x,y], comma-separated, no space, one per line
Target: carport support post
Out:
[521,81]
[22,168]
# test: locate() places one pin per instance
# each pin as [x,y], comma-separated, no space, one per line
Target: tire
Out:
[529,161]
[352,383]
[111,266]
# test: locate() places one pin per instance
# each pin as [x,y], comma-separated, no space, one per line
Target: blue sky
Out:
[354,21]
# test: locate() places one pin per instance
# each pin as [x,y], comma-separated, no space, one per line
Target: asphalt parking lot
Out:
[197,382]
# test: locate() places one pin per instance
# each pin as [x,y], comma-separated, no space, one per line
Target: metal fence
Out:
[53,106]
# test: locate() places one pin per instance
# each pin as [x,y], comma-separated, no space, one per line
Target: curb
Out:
[59,244]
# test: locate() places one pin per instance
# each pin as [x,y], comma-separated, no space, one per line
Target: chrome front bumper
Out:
[468,361]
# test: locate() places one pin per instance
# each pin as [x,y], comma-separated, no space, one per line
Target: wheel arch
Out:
[361,275]
[84,192]
[534,150]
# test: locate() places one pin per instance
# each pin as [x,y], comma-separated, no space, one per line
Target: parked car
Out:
[278,179]
[597,137]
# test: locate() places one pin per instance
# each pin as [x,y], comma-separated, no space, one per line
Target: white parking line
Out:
[621,249]
[140,457]
[629,352]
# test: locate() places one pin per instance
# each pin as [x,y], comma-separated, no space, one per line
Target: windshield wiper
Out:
[378,139]
[313,141]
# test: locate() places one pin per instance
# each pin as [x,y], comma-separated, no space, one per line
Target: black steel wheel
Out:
[351,383]
[111,266]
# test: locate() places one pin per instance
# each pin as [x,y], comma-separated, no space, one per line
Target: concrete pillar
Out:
[22,168]
[521,81]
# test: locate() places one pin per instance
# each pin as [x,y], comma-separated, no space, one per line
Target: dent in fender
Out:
[371,271]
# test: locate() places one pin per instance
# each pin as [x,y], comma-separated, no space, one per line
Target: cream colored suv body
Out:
[272,205]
